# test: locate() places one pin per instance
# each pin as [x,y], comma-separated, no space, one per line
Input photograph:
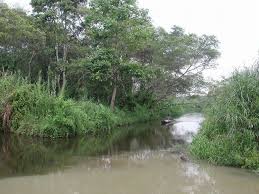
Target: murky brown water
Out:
[147,164]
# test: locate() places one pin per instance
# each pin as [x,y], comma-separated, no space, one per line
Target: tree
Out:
[62,19]
[106,50]
[180,60]
[20,40]
[121,29]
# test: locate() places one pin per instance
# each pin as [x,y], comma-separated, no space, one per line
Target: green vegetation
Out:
[101,64]
[77,67]
[230,134]
[38,113]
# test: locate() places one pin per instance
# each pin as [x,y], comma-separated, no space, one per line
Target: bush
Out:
[36,112]
[229,135]
[237,149]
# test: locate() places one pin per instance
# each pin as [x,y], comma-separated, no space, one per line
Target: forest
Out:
[77,67]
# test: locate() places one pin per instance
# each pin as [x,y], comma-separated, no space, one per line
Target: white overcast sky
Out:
[234,22]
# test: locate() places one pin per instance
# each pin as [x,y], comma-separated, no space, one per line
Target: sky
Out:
[233,22]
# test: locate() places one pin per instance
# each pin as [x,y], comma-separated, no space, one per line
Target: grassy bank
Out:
[230,133]
[31,109]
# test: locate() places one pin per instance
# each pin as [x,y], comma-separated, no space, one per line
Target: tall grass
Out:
[36,111]
[230,134]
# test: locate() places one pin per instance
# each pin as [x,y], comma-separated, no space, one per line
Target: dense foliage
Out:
[104,50]
[71,59]
[36,112]
[63,65]
[230,134]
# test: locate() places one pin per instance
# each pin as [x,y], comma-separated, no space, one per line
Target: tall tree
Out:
[121,29]
[20,40]
[63,19]
[180,59]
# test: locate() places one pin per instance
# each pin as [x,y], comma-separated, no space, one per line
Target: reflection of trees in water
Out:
[26,156]
[5,148]
[21,156]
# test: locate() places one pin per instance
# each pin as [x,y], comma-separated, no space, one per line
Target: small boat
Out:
[167,121]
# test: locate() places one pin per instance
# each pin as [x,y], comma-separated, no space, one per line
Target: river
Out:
[146,163]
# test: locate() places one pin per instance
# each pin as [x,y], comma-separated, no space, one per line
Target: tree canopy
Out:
[20,40]
[105,50]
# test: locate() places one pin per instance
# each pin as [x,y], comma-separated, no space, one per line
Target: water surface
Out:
[143,163]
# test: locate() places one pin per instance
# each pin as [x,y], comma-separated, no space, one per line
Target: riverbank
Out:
[31,109]
[230,135]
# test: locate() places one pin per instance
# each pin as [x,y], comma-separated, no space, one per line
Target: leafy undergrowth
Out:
[36,112]
[230,133]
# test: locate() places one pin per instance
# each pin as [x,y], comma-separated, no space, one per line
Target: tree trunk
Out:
[57,57]
[62,91]
[113,97]
[64,70]
[29,65]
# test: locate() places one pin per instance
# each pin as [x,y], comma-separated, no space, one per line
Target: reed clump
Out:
[230,133]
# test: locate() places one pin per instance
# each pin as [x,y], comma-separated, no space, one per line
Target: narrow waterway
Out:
[144,163]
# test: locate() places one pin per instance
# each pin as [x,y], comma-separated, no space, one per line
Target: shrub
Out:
[36,112]
[229,136]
